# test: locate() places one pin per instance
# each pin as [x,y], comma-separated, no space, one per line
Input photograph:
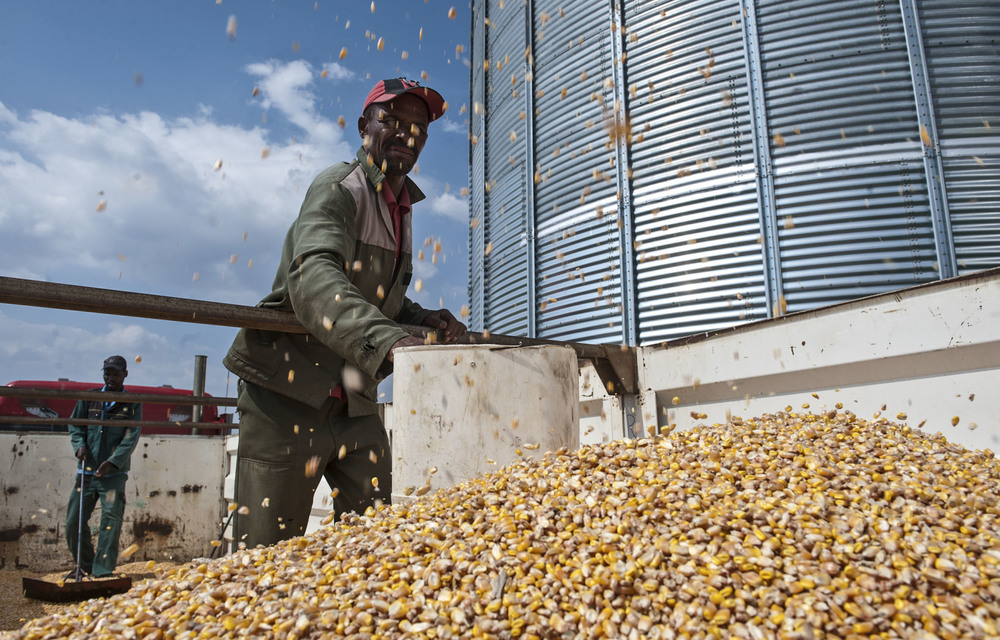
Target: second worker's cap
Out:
[116,362]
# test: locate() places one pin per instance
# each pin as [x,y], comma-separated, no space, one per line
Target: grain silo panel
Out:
[506,270]
[574,175]
[697,227]
[962,44]
[691,165]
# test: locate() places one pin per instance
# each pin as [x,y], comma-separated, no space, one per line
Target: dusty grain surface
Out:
[16,610]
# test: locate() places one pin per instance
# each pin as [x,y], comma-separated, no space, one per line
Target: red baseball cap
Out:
[386,90]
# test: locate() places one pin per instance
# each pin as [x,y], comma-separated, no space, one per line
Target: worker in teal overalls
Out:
[105,454]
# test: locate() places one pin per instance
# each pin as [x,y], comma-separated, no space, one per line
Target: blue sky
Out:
[135,155]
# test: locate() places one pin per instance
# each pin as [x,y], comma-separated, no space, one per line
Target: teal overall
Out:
[114,444]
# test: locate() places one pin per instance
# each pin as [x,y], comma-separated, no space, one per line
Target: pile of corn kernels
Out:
[785,526]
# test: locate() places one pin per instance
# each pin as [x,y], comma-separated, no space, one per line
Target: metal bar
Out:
[619,358]
[200,366]
[937,199]
[626,211]
[530,221]
[86,422]
[477,158]
[53,295]
[770,246]
[112,396]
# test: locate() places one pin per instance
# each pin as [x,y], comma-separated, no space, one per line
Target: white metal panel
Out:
[930,352]
[173,510]
[466,410]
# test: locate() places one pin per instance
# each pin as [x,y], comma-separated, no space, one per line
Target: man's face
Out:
[114,379]
[395,134]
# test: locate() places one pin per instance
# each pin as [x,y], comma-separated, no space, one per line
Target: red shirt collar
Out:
[397,207]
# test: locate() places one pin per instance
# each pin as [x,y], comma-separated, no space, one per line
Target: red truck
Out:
[62,408]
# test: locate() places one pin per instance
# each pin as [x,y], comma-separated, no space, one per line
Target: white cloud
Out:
[450,206]
[6,115]
[41,343]
[423,270]
[286,87]
[452,126]
[135,197]
[336,71]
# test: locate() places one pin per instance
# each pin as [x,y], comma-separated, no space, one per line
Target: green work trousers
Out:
[285,447]
[111,492]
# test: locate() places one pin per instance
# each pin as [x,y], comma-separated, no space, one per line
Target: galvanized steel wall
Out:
[644,170]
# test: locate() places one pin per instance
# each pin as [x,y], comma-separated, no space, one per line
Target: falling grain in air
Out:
[312,466]
[925,136]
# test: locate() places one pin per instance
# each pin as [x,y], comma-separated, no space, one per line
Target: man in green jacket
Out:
[307,402]
[105,454]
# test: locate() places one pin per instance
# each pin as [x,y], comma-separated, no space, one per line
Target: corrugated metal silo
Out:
[645,170]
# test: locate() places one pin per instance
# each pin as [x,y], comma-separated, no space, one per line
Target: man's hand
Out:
[449,328]
[106,467]
[408,341]
[81,453]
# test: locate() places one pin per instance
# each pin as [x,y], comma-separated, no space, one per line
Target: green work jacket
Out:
[114,444]
[336,276]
